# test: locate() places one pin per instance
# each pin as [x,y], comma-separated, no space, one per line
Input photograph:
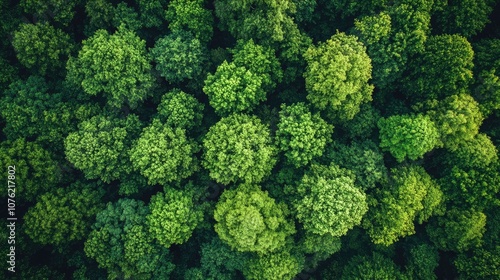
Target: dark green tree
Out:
[477,187]
[179,56]
[364,159]
[423,259]
[261,20]
[479,264]
[121,243]
[64,214]
[99,147]
[41,47]
[443,69]
[190,15]
[465,17]
[376,266]
[238,148]
[458,230]
[61,11]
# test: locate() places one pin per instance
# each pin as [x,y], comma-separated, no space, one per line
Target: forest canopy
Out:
[270,139]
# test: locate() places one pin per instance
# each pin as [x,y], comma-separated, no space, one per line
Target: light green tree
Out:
[179,109]
[248,220]
[408,136]
[238,148]
[234,89]
[411,195]
[337,75]
[163,154]
[457,118]
[259,60]
[330,202]
[173,216]
[273,266]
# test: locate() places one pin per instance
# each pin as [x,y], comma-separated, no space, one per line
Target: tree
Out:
[408,136]
[115,65]
[248,220]
[173,217]
[301,135]
[163,154]
[376,267]
[41,47]
[444,68]
[57,10]
[179,56]
[179,109]
[99,147]
[190,15]
[364,159]
[423,260]
[475,153]
[31,111]
[337,75]
[479,264]
[466,18]
[330,202]
[410,195]
[151,12]
[362,125]
[35,169]
[219,261]
[63,215]
[477,188]
[457,118]
[120,243]
[458,230]
[261,20]
[487,92]
[238,148]
[259,60]
[279,266]
[392,37]
[233,89]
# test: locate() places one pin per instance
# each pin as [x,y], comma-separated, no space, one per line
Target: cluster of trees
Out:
[271,139]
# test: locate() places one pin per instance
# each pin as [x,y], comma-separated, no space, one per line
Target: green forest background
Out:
[252,139]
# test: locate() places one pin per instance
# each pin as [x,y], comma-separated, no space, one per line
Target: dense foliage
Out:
[255,139]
